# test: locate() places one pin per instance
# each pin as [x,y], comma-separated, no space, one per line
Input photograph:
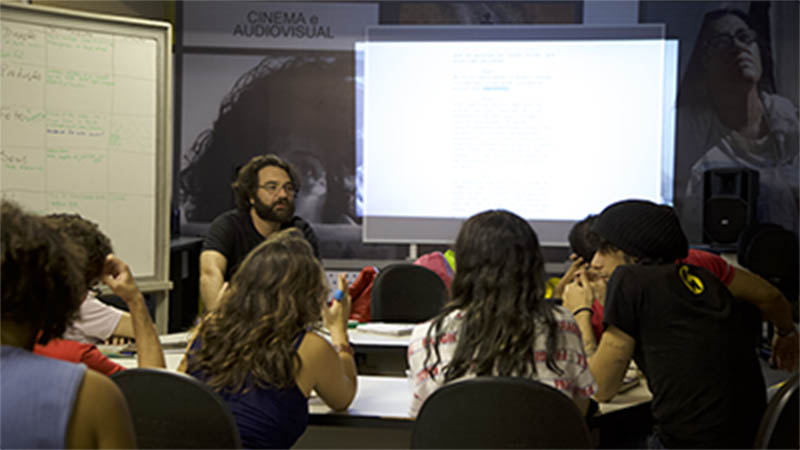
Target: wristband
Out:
[344,348]
[580,310]
[338,295]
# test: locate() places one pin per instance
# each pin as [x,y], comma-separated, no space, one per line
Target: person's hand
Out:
[598,285]
[577,265]
[336,312]
[785,352]
[578,294]
[117,276]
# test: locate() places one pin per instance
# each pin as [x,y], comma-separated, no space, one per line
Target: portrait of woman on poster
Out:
[730,117]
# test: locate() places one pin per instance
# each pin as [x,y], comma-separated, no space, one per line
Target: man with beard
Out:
[264,191]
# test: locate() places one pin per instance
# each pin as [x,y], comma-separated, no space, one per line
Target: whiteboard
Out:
[85,115]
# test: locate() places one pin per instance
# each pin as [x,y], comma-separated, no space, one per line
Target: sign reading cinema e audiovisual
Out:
[286,25]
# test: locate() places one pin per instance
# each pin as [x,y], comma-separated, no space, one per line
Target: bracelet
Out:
[344,348]
[582,309]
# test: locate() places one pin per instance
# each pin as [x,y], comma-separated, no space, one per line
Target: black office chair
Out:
[174,410]
[770,251]
[499,412]
[779,426]
[406,293]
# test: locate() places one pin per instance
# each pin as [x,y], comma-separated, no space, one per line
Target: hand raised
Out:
[117,276]
[336,312]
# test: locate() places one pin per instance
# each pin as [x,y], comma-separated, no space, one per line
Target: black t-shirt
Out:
[695,344]
[233,234]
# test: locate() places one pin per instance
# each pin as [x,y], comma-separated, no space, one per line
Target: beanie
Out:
[643,229]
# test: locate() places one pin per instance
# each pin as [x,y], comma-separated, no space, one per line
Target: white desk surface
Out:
[356,338]
[390,398]
[379,340]
[172,358]
[384,396]
[381,397]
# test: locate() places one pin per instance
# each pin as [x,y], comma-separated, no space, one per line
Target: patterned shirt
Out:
[569,356]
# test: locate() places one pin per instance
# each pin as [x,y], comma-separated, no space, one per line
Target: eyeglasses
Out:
[273,188]
[724,41]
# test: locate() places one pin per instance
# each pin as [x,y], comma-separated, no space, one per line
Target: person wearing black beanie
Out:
[643,230]
[680,324]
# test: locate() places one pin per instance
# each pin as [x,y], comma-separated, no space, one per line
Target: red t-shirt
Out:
[700,258]
[74,351]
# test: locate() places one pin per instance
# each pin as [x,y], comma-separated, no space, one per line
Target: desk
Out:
[171,357]
[378,416]
[388,399]
[378,354]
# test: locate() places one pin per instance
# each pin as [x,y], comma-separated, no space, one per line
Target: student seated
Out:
[97,321]
[497,322]
[100,321]
[258,350]
[742,283]
[46,403]
[694,342]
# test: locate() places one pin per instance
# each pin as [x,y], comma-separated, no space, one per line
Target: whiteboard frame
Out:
[161,32]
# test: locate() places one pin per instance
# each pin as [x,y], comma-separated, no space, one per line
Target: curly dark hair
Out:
[275,294]
[246,183]
[499,289]
[88,235]
[43,285]
[582,240]
[256,118]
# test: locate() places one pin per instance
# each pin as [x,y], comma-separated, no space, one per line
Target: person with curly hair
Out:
[498,322]
[44,402]
[265,192]
[258,350]
[97,321]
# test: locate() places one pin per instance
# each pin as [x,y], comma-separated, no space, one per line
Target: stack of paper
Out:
[390,329]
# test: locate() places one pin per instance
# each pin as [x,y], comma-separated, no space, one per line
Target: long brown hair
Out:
[499,290]
[249,340]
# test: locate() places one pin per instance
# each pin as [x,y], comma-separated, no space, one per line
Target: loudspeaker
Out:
[729,204]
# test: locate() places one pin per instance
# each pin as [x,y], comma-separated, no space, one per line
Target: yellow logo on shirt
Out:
[692,282]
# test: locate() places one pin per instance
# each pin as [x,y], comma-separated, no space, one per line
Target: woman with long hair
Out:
[497,322]
[258,350]
[729,117]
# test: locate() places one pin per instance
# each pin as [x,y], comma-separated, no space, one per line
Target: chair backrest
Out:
[779,426]
[174,410]
[770,251]
[407,293]
[499,412]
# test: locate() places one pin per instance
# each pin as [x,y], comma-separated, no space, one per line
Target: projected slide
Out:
[551,130]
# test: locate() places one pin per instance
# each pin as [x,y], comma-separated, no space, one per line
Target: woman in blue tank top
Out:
[256,350]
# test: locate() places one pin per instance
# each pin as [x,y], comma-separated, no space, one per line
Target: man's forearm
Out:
[210,284]
[148,347]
